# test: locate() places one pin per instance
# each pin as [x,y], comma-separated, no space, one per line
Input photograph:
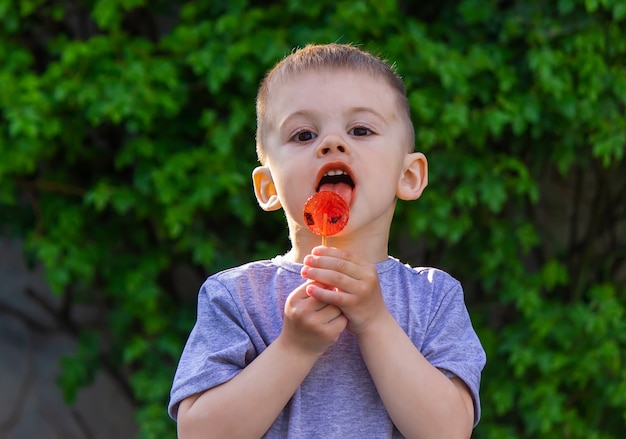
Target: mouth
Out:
[336,177]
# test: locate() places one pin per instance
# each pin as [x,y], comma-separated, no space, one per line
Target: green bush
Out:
[127,142]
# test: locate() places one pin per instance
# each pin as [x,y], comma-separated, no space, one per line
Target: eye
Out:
[303,136]
[360,131]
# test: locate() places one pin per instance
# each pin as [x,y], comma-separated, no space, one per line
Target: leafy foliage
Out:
[127,141]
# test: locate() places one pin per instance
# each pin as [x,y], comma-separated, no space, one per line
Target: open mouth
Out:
[337,180]
[332,178]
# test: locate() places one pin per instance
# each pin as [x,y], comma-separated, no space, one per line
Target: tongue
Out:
[341,189]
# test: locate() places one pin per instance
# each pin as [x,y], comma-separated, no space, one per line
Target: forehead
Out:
[332,89]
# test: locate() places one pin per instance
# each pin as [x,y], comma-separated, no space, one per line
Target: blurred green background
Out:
[127,143]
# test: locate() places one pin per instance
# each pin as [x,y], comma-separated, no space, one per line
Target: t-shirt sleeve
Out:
[451,344]
[218,347]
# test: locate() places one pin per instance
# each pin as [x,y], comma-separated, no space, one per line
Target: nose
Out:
[332,144]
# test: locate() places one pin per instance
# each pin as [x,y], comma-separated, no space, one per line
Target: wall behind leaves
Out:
[127,142]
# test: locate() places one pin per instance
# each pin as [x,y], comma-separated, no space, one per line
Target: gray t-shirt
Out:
[240,312]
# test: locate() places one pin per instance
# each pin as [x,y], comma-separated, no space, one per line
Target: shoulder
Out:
[232,282]
[418,293]
[424,278]
[263,283]
[248,270]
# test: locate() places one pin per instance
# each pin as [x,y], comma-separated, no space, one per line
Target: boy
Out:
[340,341]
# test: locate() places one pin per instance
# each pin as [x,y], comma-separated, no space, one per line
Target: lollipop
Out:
[326,214]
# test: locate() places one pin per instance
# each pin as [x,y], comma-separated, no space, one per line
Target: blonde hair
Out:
[328,56]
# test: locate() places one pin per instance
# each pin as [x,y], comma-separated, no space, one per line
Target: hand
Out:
[355,286]
[310,326]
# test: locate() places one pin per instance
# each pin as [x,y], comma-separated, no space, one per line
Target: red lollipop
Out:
[326,214]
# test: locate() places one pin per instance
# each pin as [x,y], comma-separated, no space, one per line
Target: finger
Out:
[300,301]
[329,313]
[300,293]
[342,265]
[316,305]
[328,279]
[339,322]
[338,253]
[330,297]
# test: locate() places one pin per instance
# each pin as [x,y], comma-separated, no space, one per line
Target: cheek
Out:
[290,178]
[382,177]
[291,191]
[385,191]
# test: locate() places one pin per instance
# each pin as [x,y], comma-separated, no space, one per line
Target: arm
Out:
[421,400]
[261,390]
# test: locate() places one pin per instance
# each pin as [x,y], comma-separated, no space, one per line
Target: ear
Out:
[264,189]
[414,177]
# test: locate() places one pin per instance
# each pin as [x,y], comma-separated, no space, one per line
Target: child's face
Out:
[332,122]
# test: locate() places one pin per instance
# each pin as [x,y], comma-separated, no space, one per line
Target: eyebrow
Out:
[368,110]
[305,113]
[308,113]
